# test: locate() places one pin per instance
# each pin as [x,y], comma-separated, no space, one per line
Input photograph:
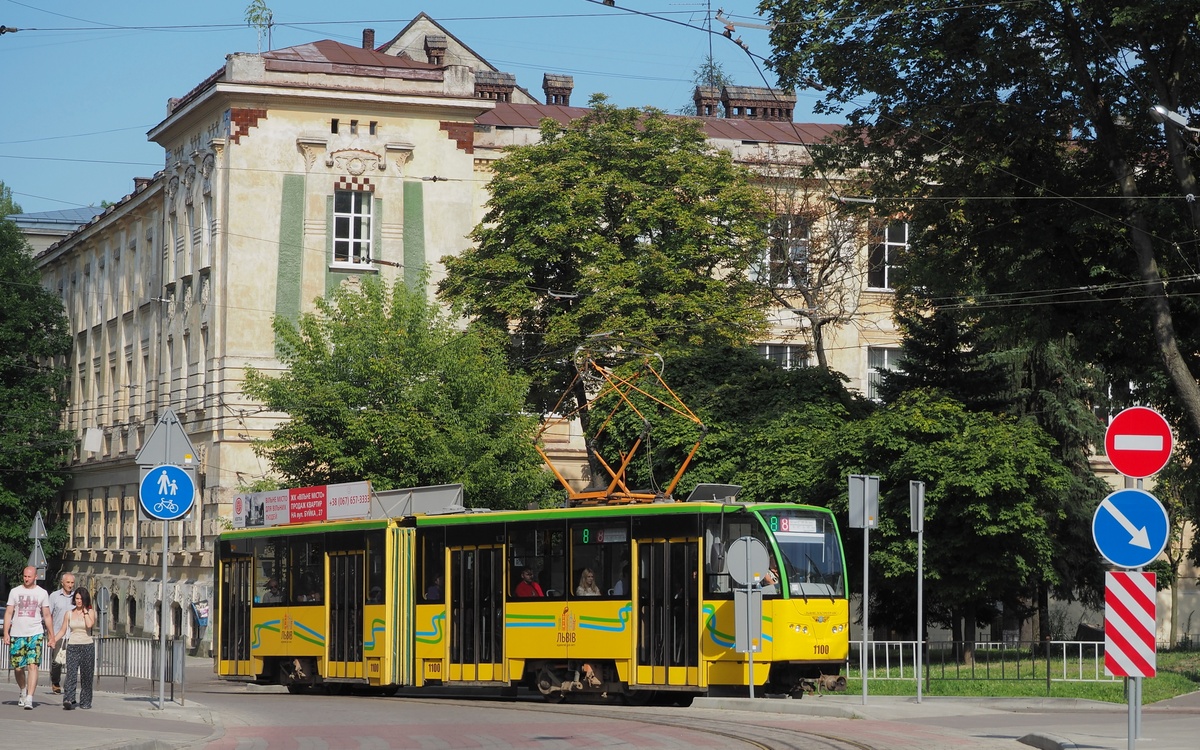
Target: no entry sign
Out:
[1138,442]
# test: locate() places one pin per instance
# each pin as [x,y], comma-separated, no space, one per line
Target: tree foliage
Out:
[8,206]
[1044,200]
[991,484]
[624,221]
[34,342]
[380,386]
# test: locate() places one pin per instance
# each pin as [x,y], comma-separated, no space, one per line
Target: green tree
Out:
[991,483]
[709,73]
[625,222]
[381,386]
[7,205]
[34,342]
[1016,138]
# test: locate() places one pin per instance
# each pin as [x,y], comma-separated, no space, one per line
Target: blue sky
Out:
[84,81]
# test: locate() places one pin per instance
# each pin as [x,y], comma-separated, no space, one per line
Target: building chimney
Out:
[369,39]
[492,84]
[708,100]
[140,183]
[558,88]
[758,103]
[435,48]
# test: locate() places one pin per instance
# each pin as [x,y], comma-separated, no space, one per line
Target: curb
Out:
[1044,741]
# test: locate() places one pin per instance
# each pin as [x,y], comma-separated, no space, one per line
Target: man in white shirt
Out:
[25,616]
[61,602]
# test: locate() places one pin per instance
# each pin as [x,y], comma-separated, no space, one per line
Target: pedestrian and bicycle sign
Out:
[167,493]
[1130,528]
[1129,624]
[1138,442]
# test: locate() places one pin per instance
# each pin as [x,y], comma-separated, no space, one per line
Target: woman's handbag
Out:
[60,658]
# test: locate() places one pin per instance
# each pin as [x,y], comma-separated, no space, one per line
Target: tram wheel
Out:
[299,689]
[555,697]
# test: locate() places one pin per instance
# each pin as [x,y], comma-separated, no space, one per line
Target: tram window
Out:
[432,561]
[602,547]
[270,571]
[543,549]
[308,570]
[719,532]
[375,567]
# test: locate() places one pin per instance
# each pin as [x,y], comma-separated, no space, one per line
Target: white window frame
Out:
[787,356]
[353,228]
[881,257]
[881,359]
[789,239]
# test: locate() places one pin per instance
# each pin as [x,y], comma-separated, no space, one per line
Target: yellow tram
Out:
[420,591]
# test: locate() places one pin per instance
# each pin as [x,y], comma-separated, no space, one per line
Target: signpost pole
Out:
[916,498]
[862,657]
[749,609]
[162,610]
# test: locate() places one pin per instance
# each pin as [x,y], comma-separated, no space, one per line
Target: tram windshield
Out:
[811,552]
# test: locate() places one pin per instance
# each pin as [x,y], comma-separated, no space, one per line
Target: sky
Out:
[85,81]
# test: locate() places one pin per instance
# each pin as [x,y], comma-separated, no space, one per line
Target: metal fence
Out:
[126,658]
[1048,661]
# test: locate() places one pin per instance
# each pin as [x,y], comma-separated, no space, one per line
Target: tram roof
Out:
[483,516]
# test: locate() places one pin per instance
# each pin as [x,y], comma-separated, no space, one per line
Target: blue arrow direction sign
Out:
[1130,528]
[167,493]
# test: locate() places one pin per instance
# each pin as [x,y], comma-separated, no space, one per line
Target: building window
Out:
[351,227]
[787,260]
[880,360]
[333,126]
[787,356]
[885,254]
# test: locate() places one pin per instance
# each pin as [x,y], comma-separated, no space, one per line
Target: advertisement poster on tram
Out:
[332,502]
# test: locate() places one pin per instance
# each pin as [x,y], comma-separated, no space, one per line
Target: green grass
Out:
[1178,673]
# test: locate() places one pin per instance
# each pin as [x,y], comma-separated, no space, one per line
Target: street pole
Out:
[862,657]
[162,613]
[916,504]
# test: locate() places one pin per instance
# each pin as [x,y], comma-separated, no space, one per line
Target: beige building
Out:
[287,173]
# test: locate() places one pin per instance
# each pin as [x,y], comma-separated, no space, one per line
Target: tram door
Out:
[668,600]
[234,615]
[475,604]
[346,592]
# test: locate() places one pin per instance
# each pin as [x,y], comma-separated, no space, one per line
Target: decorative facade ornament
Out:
[207,164]
[189,179]
[310,147]
[355,161]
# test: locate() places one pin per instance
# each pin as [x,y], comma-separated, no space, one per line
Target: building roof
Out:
[507,114]
[328,56]
[67,218]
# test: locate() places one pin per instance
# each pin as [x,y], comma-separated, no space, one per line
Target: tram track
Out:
[744,733]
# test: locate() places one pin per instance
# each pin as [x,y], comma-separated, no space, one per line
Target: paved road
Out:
[225,716]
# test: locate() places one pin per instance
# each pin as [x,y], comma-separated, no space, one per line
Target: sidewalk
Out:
[121,721]
[1047,724]
[116,721]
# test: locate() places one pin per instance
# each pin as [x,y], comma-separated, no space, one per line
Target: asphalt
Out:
[129,721]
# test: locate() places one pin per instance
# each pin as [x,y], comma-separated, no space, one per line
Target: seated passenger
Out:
[434,592]
[528,587]
[770,582]
[587,584]
[273,594]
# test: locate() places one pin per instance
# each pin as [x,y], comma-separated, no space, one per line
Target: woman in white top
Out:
[76,632]
[587,584]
